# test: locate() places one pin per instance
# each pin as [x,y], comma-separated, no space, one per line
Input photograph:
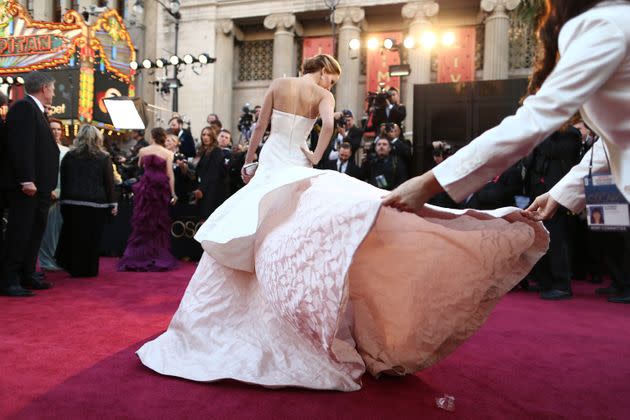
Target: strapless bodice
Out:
[288,134]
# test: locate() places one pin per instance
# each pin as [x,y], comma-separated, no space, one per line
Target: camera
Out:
[378,100]
[179,156]
[341,122]
[442,149]
[246,119]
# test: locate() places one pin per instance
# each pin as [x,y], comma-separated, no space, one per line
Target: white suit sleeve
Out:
[594,50]
[569,191]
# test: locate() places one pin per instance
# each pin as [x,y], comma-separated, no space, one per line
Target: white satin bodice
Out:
[283,147]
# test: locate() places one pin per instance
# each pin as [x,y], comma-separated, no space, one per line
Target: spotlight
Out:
[146,63]
[372,43]
[19,80]
[160,62]
[409,42]
[428,40]
[205,59]
[399,70]
[388,43]
[133,65]
[448,39]
[9,80]
[189,59]
[175,60]
[354,44]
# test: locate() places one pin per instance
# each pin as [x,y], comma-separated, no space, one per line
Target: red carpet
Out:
[69,353]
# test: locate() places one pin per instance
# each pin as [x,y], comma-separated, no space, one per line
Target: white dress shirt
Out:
[592,75]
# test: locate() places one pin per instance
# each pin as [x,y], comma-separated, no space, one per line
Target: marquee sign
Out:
[88,62]
[27,45]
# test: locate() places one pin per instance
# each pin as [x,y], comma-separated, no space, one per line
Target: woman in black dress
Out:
[211,191]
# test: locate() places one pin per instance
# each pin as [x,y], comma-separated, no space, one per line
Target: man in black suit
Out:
[395,111]
[30,168]
[186,141]
[344,162]
[348,132]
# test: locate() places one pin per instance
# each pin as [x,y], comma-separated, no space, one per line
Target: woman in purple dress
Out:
[149,246]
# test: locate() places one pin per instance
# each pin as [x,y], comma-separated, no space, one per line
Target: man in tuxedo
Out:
[30,167]
[395,111]
[348,132]
[344,163]
[186,141]
[400,147]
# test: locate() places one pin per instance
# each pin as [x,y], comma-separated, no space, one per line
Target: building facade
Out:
[254,42]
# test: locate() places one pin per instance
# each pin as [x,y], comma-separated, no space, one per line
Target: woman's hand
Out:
[413,194]
[173,200]
[245,177]
[543,208]
[309,155]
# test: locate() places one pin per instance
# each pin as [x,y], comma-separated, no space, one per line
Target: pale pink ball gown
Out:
[306,280]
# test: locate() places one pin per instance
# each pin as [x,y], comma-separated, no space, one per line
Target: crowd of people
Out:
[94,175]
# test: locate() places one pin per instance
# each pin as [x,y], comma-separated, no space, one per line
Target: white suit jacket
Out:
[592,75]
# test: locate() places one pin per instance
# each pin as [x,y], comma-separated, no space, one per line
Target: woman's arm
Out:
[593,50]
[171,175]
[327,114]
[263,122]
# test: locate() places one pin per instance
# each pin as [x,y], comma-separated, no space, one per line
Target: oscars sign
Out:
[456,63]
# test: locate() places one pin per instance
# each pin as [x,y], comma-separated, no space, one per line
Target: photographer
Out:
[246,123]
[395,111]
[385,170]
[344,163]
[183,173]
[400,147]
[347,132]
[187,143]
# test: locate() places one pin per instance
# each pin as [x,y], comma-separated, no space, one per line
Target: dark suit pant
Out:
[553,271]
[26,225]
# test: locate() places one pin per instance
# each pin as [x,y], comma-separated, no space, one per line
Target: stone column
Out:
[350,20]
[496,60]
[284,56]
[224,70]
[419,12]
[42,10]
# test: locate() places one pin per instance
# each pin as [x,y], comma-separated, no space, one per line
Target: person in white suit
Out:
[585,66]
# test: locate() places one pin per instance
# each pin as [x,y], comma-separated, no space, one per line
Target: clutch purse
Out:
[250,168]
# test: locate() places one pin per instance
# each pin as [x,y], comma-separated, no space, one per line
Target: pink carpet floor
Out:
[69,354]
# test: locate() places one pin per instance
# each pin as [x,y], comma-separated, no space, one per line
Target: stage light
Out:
[160,62]
[175,60]
[409,42]
[189,59]
[354,44]
[147,64]
[388,43]
[399,70]
[372,43]
[9,80]
[448,39]
[19,80]
[133,65]
[205,59]
[428,40]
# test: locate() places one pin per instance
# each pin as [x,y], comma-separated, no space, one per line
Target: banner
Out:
[456,63]
[105,87]
[378,62]
[315,46]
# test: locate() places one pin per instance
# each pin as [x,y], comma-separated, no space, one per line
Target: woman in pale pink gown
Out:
[306,280]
